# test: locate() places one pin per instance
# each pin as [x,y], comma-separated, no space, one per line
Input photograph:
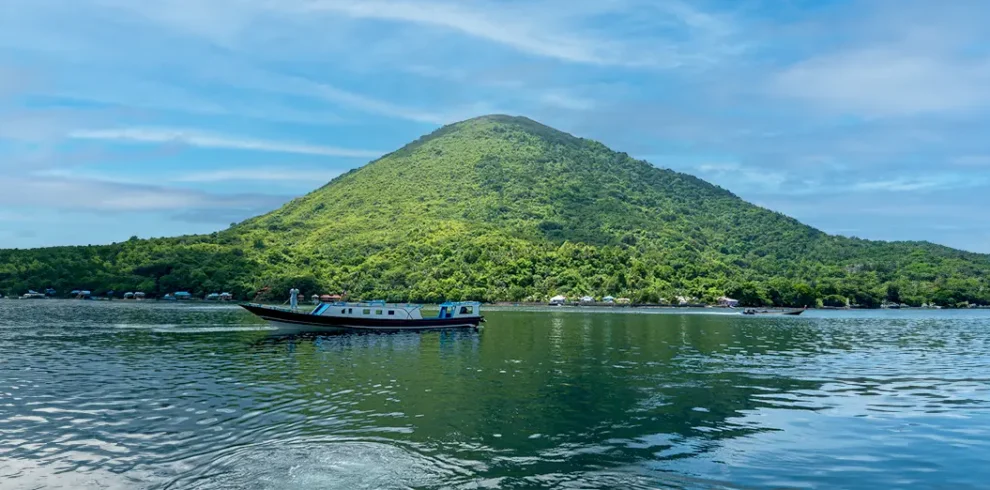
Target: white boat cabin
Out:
[381,310]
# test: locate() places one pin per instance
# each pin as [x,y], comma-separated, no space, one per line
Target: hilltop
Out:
[505,208]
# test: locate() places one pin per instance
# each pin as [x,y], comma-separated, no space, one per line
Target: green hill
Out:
[504,208]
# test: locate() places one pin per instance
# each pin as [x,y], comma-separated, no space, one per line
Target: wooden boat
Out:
[369,316]
[753,311]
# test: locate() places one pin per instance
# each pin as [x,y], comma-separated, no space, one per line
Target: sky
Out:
[123,118]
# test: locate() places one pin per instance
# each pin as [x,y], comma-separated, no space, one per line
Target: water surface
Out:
[146,395]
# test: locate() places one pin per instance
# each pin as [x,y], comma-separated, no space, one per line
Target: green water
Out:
[131,395]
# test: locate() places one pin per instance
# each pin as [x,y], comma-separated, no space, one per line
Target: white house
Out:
[587,299]
[558,300]
[727,301]
[609,299]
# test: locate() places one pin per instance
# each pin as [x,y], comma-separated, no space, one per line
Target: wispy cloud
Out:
[207,140]
[667,34]
[286,173]
[972,160]
[889,82]
[566,101]
[323,91]
[732,174]
[475,20]
[77,194]
[927,183]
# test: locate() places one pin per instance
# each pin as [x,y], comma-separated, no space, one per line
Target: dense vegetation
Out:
[503,208]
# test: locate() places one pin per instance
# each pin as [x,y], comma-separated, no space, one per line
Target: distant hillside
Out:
[504,208]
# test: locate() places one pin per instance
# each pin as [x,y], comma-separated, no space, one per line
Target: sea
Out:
[136,395]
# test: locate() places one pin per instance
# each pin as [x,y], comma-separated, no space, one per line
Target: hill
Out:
[504,208]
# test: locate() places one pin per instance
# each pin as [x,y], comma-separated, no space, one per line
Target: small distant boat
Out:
[32,294]
[753,311]
[369,316]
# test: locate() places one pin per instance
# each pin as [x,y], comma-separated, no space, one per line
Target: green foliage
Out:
[503,208]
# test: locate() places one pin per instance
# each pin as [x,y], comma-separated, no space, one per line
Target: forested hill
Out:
[504,208]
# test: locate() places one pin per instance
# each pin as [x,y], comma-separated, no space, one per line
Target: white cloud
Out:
[206,140]
[888,82]
[327,92]
[666,34]
[734,175]
[78,194]
[286,173]
[913,184]
[509,27]
[972,160]
[566,101]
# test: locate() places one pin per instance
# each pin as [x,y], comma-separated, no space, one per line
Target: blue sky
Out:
[121,117]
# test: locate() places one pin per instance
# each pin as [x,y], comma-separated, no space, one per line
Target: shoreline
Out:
[522,304]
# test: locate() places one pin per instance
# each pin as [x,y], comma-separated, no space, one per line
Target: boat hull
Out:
[295,321]
[773,313]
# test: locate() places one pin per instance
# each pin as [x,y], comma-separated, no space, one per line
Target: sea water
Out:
[153,395]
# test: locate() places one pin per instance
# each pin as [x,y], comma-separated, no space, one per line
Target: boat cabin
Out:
[381,310]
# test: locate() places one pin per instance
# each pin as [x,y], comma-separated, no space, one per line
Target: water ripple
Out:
[126,395]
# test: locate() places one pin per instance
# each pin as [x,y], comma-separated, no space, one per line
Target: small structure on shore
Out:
[168,297]
[139,295]
[315,298]
[183,295]
[212,297]
[587,299]
[226,296]
[129,295]
[558,300]
[608,299]
[623,301]
[728,302]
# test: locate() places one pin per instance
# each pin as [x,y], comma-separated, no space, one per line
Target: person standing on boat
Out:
[293,298]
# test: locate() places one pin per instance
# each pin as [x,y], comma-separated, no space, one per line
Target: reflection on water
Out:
[116,395]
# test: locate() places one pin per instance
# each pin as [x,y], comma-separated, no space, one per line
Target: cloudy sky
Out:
[156,118]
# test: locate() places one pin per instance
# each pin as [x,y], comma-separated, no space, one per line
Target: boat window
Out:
[378,312]
[465,310]
[343,311]
[350,310]
[391,312]
[366,311]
